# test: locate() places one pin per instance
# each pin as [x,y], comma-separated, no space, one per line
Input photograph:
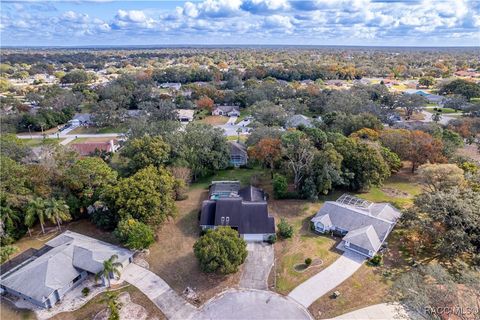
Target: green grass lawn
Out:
[41,142]
[443,110]
[86,130]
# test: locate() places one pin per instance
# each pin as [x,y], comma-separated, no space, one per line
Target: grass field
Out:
[214,120]
[41,142]
[86,130]
[443,110]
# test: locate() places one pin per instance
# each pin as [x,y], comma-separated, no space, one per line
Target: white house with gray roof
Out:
[364,225]
[66,261]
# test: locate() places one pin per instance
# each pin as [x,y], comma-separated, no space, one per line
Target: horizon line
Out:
[231,45]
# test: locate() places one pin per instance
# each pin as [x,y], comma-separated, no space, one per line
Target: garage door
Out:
[253,237]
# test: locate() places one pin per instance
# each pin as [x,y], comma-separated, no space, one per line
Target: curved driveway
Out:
[327,279]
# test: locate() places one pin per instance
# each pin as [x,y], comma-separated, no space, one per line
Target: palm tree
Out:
[36,209]
[110,299]
[57,211]
[110,266]
[7,217]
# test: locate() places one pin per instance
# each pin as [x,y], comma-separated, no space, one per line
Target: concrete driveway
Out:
[252,304]
[327,279]
[378,312]
[257,266]
[156,289]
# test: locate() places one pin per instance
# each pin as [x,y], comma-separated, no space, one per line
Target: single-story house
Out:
[245,210]
[238,154]
[81,119]
[66,261]
[171,85]
[230,111]
[185,115]
[87,148]
[298,120]
[364,225]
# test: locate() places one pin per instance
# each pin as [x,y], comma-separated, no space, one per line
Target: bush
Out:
[134,234]
[280,186]
[220,250]
[85,291]
[308,262]
[376,260]
[272,239]
[285,230]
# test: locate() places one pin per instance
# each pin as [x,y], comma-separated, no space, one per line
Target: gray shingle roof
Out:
[367,227]
[365,237]
[237,148]
[71,253]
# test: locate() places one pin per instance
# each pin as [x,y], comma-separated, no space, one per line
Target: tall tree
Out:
[146,151]
[299,152]
[267,151]
[147,196]
[36,210]
[58,211]
[205,149]
[449,222]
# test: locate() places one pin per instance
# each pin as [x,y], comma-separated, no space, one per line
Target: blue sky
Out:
[315,22]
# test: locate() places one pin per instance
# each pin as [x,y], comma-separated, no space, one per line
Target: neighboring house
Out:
[230,111]
[364,225]
[63,263]
[87,148]
[238,154]
[81,119]
[298,120]
[185,115]
[245,210]
[171,85]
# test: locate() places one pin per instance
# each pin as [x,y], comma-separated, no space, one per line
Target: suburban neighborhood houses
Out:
[237,160]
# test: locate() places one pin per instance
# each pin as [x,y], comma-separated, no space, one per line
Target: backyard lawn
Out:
[214,120]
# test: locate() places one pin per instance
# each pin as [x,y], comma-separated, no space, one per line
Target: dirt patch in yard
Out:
[392,192]
[172,258]
[94,306]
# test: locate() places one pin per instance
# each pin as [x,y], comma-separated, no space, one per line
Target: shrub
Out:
[220,250]
[85,291]
[134,234]
[285,230]
[308,262]
[376,260]
[280,186]
[272,239]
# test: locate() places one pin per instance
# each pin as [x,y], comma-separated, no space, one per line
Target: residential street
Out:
[327,279]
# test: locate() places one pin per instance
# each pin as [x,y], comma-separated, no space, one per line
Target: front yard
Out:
[171,256]
[292,252]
